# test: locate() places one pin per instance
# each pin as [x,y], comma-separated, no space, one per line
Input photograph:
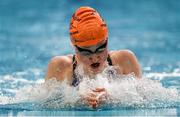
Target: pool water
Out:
[32,32]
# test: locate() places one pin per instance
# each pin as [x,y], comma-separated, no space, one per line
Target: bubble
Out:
[124,91]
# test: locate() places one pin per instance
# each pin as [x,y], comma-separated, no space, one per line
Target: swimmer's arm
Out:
[55,69]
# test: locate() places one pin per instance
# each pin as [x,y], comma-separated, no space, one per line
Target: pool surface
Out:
[32,32]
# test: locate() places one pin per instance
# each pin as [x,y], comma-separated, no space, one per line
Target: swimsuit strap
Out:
[109,60]
[74,62]
[75,81]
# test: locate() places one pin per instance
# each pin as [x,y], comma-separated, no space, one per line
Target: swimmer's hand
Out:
[95,97]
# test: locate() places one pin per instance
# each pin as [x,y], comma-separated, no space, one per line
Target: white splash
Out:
[123,91]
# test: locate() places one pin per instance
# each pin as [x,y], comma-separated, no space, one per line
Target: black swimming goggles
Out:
[86,52]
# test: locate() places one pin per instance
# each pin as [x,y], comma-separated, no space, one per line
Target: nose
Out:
[94,58]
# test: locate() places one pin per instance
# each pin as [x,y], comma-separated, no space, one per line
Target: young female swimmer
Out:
[89,36]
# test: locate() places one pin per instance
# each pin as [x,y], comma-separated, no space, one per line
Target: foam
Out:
[123,90]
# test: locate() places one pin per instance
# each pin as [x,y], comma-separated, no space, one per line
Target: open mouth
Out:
[95,65]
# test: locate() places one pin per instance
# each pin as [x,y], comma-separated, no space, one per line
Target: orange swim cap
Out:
[87,28]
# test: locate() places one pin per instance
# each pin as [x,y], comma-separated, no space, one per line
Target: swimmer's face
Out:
[93,57]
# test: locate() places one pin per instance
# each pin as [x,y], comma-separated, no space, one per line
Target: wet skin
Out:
[125,61]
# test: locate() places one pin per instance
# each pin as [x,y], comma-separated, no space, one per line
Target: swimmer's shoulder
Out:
[127,60]
[121,55]
[59,67]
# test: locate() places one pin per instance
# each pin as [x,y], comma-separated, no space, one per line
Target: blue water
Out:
[32,32]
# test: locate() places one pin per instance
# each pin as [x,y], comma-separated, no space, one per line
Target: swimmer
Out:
[89,37]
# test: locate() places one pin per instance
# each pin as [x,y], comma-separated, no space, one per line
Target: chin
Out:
[96,70]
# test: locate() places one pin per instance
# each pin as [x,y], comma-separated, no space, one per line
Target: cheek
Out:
[84,59]
[103,55]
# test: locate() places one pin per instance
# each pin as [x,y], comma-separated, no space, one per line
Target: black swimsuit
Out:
[76,81]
